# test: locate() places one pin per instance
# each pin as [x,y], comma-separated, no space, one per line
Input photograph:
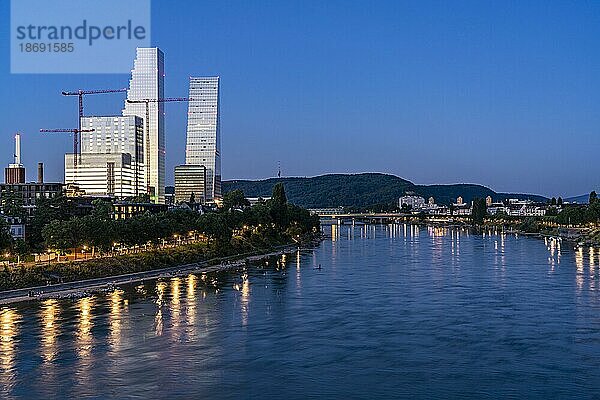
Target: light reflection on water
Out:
[397,310]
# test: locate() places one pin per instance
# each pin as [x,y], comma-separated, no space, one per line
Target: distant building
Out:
[488,201]
[413,202]
[170,195]
[28,193]
[203,142]
[256,200]
[16,227]
[459,201]
[431,201]
[15,172]
[128,210]
[518,208]
[190,179]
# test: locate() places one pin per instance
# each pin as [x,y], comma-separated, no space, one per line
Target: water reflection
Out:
[158,319]
[49,315]
[84,342]
[9,330]
[115,319]
[175,305]
[191,305]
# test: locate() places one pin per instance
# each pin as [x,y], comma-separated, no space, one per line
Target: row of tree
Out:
[274,219]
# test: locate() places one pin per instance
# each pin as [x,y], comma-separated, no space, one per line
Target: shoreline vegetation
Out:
[164,240]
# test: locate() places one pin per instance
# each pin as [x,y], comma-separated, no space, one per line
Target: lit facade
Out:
[147,82]
[414,202]
[111,161]
[103,174]
[203,142]
[190,179]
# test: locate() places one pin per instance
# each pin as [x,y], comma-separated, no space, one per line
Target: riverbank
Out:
[81,288]
[26,282]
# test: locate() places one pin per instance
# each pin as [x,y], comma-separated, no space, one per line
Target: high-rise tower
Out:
[147,82]
[203,142]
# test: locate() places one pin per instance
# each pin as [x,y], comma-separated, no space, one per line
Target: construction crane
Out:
[76,135]
[147,128]
[75,131]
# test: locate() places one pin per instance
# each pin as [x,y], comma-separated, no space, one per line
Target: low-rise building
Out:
[412,202]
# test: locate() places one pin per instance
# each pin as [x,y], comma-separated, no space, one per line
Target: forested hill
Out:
[361,190]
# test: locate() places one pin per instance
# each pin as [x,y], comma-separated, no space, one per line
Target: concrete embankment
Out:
[81,288]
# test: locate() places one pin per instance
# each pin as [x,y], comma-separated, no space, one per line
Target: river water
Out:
[395,311]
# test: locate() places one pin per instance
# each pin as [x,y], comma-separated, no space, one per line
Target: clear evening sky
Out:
[505,94]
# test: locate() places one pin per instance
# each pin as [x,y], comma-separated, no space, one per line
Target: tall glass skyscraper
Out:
[203,145]
[147,82]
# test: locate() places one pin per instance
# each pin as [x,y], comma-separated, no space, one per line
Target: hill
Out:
[362,190]
[583,199]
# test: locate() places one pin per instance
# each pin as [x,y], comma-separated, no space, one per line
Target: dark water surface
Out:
[395,312]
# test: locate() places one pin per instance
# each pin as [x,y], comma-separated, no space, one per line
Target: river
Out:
[396,311]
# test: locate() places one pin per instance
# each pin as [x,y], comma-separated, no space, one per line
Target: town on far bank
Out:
[578,222]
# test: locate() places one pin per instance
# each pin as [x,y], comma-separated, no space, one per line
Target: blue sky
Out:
[505,94]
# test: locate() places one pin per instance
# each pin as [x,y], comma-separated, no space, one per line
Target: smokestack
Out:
[40,172]
[18,149]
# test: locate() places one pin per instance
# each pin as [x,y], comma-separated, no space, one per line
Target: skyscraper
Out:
[147,82]
[203,145]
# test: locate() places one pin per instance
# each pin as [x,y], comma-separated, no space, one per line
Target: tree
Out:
[553,201]
[102,209]
[479,211]
[278,206]
[279,196]
[593,197]
[5,237]
[559,202]
[235,199]
[12,204]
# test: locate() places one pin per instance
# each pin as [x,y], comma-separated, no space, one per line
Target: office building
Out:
[15,172]
[147,82]
[111,162]
[103,174]
[190,179]
[203,142]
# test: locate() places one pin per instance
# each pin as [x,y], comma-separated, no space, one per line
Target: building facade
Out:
[203,140]
[103,174]
[190,179]
[147,82]
[111,161]
[413,202]
[28,193]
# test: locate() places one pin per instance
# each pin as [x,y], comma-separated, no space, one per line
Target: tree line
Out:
[58,224]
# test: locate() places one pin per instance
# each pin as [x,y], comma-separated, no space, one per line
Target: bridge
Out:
[385,218]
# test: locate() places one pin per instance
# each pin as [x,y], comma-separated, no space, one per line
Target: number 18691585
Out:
[58,47]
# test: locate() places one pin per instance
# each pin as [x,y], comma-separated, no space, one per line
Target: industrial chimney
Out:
[15,172]
[40,172]
[18,149]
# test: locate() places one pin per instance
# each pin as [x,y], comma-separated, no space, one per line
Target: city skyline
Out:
[474,95]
